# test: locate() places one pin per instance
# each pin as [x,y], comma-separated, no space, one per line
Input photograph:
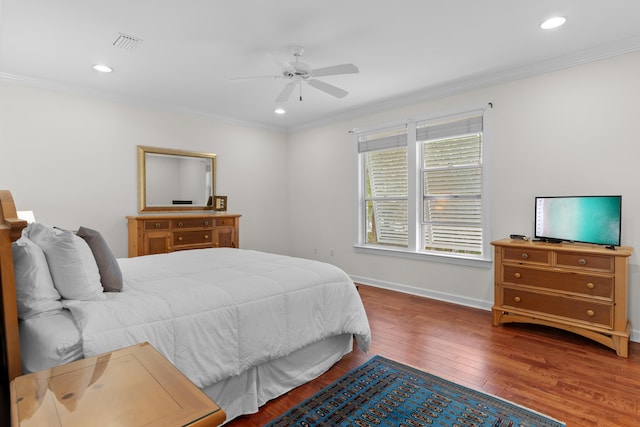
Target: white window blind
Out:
[386,196]
[452,185]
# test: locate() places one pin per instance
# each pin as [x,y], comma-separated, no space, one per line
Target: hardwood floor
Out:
[563,375]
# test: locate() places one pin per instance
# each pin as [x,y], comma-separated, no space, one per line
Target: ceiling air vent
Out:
[127,42]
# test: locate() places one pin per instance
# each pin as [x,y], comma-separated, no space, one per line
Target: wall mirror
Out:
[175,180]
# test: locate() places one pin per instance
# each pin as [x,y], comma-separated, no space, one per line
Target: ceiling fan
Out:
[299,72]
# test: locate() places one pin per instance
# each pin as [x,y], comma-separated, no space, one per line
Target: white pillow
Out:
[49,341]
[73,268]
[35,292]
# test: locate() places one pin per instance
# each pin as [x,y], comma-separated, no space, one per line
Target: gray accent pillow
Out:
[110,273]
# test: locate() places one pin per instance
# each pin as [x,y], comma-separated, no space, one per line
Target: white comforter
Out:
[217,312]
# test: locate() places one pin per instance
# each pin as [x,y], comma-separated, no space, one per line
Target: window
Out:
[386,192]
[422,189]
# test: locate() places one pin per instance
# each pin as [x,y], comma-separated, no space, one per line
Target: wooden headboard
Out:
[10,230]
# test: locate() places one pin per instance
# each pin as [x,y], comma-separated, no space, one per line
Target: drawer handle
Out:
[525,256]
[180,238]
[180,224]
[517,275]
[517,299]
[157,225]
[206,223]
[206,237]
[591,313]
[590,285]
[582,261]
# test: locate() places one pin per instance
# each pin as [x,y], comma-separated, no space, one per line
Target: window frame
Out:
[414,249]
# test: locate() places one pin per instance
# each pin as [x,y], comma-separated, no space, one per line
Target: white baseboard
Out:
[442,296]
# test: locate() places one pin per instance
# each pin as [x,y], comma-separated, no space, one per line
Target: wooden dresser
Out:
[577,287]
[156,234]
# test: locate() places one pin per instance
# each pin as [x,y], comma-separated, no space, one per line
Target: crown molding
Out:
[133,101]
[480,81]
[454,87]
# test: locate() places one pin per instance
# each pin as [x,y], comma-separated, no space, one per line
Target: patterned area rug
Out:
[382,392]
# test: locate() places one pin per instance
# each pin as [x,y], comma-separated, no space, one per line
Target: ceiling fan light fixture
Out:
[102,68]
[553,22]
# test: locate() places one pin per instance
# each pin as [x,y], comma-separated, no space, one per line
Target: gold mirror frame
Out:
[144,154]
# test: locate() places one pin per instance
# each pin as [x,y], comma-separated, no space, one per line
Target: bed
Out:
[244,326]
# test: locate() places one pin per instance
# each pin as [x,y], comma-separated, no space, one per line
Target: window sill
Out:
[446,259]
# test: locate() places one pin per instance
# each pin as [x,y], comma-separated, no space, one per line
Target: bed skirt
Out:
[54,340]
[245,393]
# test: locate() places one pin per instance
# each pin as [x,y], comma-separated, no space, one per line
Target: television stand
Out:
[576,287]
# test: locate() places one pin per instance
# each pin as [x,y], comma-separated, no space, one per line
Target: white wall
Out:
[569,132]
[72,160]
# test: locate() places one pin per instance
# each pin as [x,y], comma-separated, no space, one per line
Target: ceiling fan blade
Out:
[326,87]
[334,70]
[286,92]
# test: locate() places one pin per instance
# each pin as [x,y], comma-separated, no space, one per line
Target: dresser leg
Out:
[496,316]
[621,343]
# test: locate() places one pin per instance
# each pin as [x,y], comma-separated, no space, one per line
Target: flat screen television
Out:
[585,219]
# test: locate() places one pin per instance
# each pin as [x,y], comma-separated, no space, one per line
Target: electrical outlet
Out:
[315,251]
[331,251]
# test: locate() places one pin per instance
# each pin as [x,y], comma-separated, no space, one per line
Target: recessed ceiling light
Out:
[102,68]
[279,111]
[554,22]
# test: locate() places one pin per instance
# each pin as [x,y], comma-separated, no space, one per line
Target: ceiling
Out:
[405,49]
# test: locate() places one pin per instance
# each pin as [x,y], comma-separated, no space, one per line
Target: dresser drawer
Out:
[559,305]
[592,312]
[585,261]
[157,224]
[225,221]
[187,238]
[585,284]
[528,256]
[193,223]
